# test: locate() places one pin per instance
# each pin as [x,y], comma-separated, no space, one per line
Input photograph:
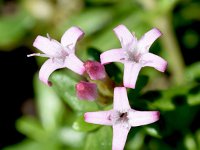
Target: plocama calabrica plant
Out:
[134,54]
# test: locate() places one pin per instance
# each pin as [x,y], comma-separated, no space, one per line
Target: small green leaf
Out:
[81,125]
[64,85]
[100,139]
[152,131]
[136,142]
[31,128]
[192,72]
[49,106]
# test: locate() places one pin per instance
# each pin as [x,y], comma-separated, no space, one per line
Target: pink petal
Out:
[86,91]
[121,103]
[113,55]
[155,61]
[100,117]
[124,35]
[47,68]
[120,134]
[131,71]
[138,118]
[147,40]
[71,36]
[75,64]
[47,46]
[95,70]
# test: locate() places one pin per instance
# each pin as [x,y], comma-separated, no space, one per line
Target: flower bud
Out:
[86,91]
[95,70]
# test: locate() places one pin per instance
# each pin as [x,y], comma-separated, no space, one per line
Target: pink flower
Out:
[95,70]
[60,55]
[134,54]
[86,91]
[121,117]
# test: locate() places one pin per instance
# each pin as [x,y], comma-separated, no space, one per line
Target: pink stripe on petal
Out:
[47,68]
[155,61]
[138,118]
[71,36]
[121,103]
[100,117]
[124,35]
[131,71]
[120,134]
[47,46]
[75,64]
[113,55]
[147,40]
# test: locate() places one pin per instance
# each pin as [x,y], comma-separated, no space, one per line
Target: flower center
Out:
[133,56]
[119,117]
[123,117]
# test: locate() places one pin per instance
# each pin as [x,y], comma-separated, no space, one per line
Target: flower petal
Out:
[100,117]
[127,39]
[47,68]
[71,36]
[120,134]
[121,103]
[48,46]
[131,71]
[138,118]
[155,61]
[147,40]
[113,55]
[75,64]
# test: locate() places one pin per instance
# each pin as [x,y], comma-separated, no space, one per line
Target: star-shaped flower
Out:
[121,117]
[60,55]
[134,54]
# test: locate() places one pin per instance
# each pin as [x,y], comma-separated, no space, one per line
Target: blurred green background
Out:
[34,116]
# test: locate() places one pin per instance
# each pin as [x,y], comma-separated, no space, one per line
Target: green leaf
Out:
[100,139]
[65,87]
[190,142]
[90,20]
[71,138]
[14,28]
[33,145]
[31,128]
[192,72]
[152,131]
[49,106]
[81,125]
[136,142]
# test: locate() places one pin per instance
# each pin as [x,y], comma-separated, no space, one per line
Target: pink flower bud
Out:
[95,70]
[86,91]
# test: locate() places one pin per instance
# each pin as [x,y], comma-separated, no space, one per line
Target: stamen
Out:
[37,54]
[48,36]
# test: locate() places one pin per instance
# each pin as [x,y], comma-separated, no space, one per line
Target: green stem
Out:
[171,47]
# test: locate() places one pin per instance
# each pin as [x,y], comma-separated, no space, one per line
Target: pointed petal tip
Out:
[157,31]
[85,117]
[121,26]
[129,85]
[164,67]
[37,40]
[156,116]
[47,82]
[71,36]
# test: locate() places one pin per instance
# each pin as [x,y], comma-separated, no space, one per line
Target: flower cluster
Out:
[134,54]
